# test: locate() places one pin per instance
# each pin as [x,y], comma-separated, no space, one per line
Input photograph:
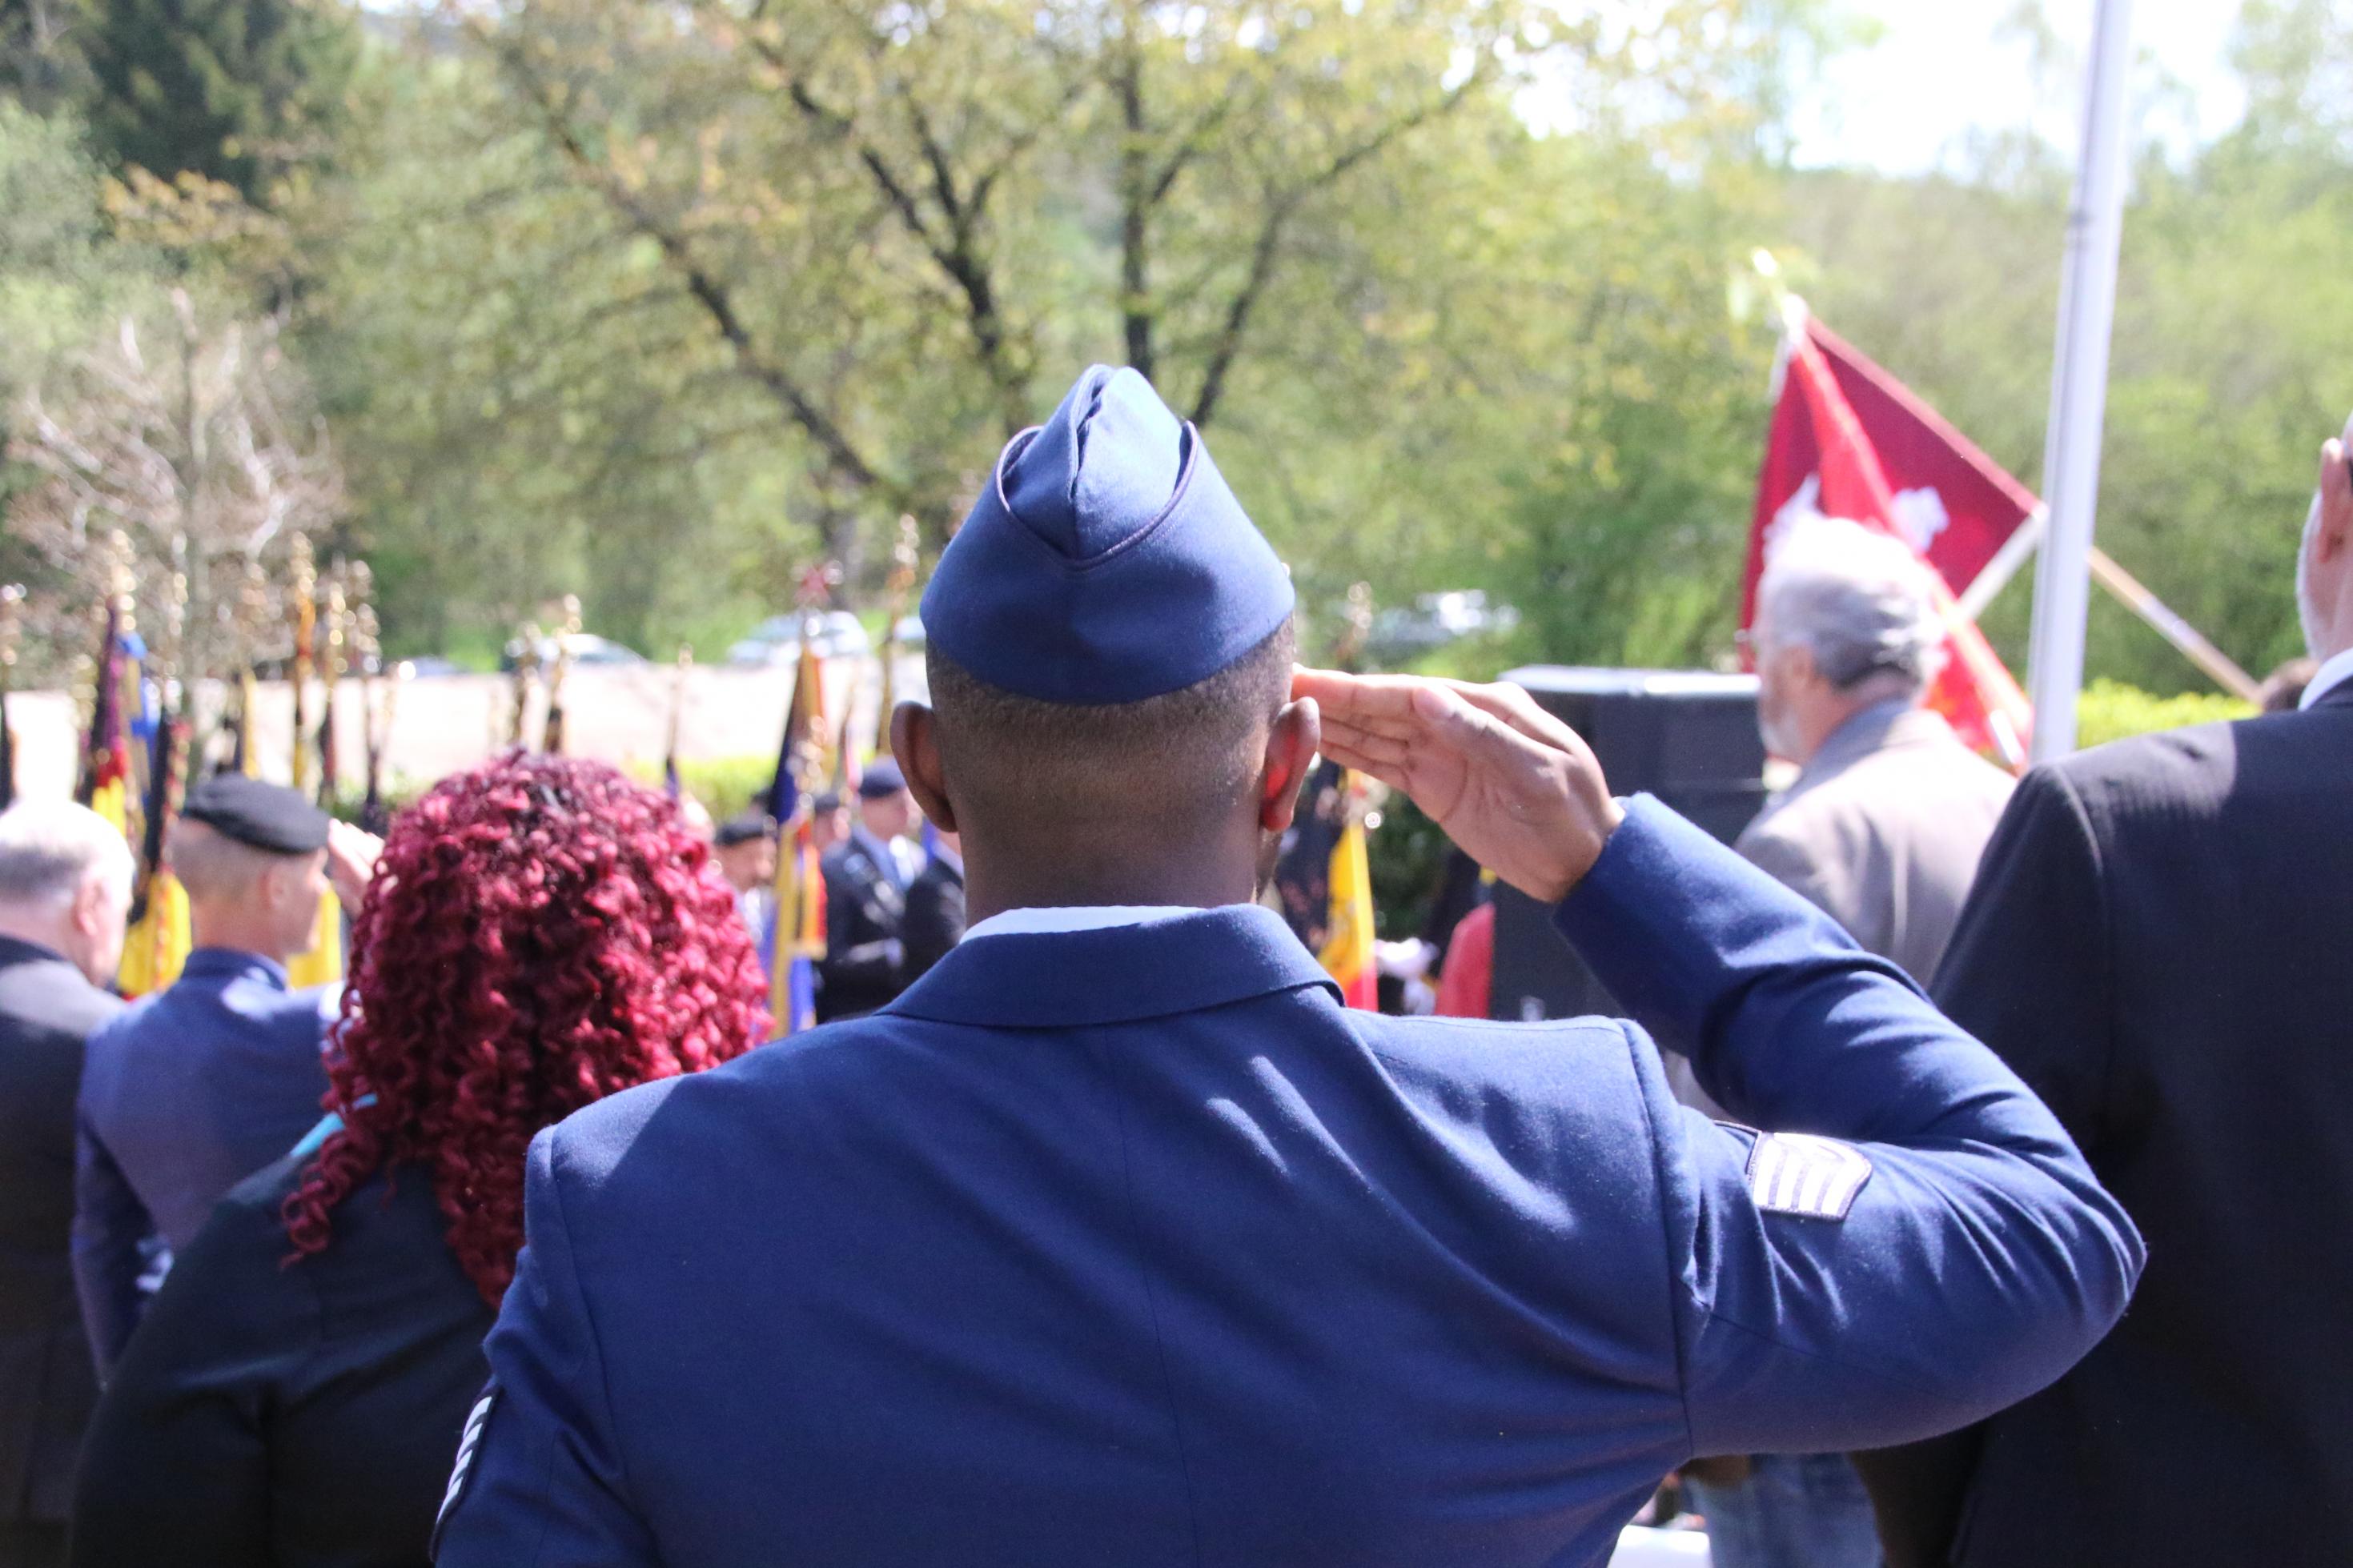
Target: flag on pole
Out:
[1348,952]
[1850,440]
[11,597]
[796,936]
[156,947]
[673,781]
[1324,878]
[104,781]
[7,755]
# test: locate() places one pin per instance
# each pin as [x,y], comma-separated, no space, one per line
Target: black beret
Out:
[744,828]
[827,803]
[882,781]
[264,816]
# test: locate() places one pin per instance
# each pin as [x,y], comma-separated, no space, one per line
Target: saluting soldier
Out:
[867,875]
[194,1089]
[1117,1238]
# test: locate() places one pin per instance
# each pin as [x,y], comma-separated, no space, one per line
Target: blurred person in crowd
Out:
[195,1087]
[745,850]
[65,892]
[2152,945]
[1466,981]
[867,875]
[829,821]
[1889,812]
[1118,1239]
[935,919]
[544,934]
[2283,690]
[1882,830]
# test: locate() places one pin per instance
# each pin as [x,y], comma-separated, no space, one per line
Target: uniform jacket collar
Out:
[15,949]
[1115,974]
[223,964]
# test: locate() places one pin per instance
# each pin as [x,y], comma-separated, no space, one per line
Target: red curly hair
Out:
[540,933]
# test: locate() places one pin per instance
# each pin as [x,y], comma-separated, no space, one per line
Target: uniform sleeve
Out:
[1965,1261]
[539,1479]
[178,1451]
[108,1225]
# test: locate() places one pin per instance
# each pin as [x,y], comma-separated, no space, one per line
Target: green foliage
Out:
[235,91]
[2110,710]
[658,304]
[726,786]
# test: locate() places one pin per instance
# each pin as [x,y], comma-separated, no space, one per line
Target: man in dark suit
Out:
[934,920]
[2156,944]
[194,1089]
[867,875]
[1117,1238]
[65,888]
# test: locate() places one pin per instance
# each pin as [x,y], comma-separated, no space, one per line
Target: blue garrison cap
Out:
[1106,560]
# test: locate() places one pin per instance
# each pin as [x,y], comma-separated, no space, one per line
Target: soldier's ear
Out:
[1290,748]
[915,740]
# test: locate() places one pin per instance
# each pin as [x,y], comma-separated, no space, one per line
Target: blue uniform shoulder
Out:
[592,1142]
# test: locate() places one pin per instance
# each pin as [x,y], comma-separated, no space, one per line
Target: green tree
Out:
[237,91]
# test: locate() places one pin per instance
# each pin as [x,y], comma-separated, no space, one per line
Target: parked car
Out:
[584,647]
[777,640]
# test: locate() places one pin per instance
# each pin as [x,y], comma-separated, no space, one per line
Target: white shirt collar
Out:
[2328,678]
[1074,917]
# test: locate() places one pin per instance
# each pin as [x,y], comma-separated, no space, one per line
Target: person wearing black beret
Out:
[745,847]
[195,1088]
[867,875]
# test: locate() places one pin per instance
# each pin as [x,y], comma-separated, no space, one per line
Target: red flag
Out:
[1850,440]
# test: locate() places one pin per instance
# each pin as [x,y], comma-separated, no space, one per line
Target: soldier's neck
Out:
[1010,877]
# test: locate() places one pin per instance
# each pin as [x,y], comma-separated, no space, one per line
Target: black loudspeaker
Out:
[1688,738]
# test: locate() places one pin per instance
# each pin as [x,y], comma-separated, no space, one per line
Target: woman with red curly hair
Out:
[540,933]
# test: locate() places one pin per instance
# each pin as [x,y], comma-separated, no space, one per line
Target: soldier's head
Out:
[253,858]
[1110,649]
[829,821]
[885,806]
[745,848]
[64,883]
[1846,618]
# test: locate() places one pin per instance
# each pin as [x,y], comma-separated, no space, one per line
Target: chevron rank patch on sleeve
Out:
[463,1470]
[1798,1173]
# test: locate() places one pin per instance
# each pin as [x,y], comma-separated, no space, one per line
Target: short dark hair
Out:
[1178,759]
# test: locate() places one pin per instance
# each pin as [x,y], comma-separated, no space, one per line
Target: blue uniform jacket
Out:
[1135,1246]
[183,1094]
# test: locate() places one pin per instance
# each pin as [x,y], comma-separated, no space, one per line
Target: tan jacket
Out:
[1884,830]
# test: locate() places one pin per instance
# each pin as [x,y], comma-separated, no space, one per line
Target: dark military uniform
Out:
[934,912]
[194,1089]
[47,1009]
[865,914]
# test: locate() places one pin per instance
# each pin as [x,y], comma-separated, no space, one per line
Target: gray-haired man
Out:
[65,887]
[1883,830]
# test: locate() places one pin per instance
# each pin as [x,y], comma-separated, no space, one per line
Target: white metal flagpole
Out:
[2079,388]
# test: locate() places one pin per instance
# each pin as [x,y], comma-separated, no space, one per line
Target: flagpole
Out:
[2079,386]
